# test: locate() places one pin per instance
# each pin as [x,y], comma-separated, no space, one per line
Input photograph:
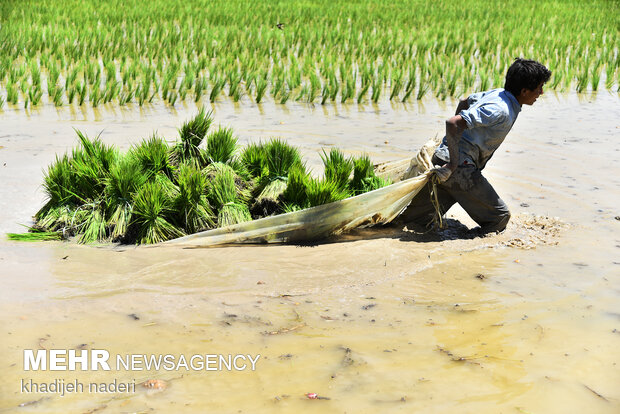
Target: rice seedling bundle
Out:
[158,191]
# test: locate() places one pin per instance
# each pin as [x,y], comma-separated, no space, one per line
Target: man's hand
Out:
[443,173]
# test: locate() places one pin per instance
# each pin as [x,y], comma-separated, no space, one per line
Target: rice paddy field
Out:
[378,320]
[170,52]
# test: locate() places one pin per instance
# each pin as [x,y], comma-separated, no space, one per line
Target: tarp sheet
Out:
[375,207]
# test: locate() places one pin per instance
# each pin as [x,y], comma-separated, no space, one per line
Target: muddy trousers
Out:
[471,190]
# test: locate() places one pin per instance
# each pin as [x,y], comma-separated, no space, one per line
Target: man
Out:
[480,125]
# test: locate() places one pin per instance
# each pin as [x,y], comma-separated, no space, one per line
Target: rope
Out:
[438,217]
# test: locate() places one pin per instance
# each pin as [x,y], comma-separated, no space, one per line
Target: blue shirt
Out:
[489,118]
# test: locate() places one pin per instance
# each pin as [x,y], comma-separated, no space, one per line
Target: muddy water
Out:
[380,320]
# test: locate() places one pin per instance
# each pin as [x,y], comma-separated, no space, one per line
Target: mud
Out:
[386,319]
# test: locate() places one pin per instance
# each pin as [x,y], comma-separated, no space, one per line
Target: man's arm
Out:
[463,104]
[454,129]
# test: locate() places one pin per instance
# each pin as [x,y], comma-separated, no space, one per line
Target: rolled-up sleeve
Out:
[483,115]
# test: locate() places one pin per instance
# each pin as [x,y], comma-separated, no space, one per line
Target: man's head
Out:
[525,80]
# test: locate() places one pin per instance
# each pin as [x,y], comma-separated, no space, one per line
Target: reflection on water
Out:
[382,323]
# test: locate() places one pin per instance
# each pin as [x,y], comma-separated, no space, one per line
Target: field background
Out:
[165,52]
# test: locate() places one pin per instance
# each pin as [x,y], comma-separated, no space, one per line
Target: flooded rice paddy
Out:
[380,320]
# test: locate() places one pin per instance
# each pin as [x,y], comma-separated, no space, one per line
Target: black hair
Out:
[524,73]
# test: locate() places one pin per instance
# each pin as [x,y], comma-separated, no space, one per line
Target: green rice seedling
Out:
[58,184]
[295,195]
[280,157]
[152,154]
[377,85]
[221,145]
[364,178]
[609,75]
[95,96]
[321,192]
[172,97]
[1,102]
[58,96]
[261,88]
[91,162]
[325,94]
[363,91]
[315,87]
[11,93]
[71,77]
[94,228]
[194,213]
[71,94]
[596,77]
[111,91]
[338,168]
[396,84]
[303,92]
[191,135]
[36,235]
[199,87]
[218,85]
[285,97]
[237,95]
[254,158]
[244,183]
[423,88]
[151,214]
[124,180]
[81,91]
[223,193]
[125,96]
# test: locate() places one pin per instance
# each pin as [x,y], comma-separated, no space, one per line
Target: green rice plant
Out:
[152,210]
[36,235]
[280,157]
[90,164]
[94,228]
[338,168]
[152,155]
[254,158]
[125,178]
[11,93]
[221,145]
[223,194]
[295,193]
[261,88]
[172,97]
[423,88]
[218,85]
[321,192]
[199,87]
[81,91]
[364,178]
[125,96]
[58,96]
[396,84]
[191,135]
[285,97]
[71,94]
[95,96]
[377,85]
[315,87]
[194,213]
[364,90]
[303,92]
[1,102]
[58,186]
[111,91]
[596,77]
